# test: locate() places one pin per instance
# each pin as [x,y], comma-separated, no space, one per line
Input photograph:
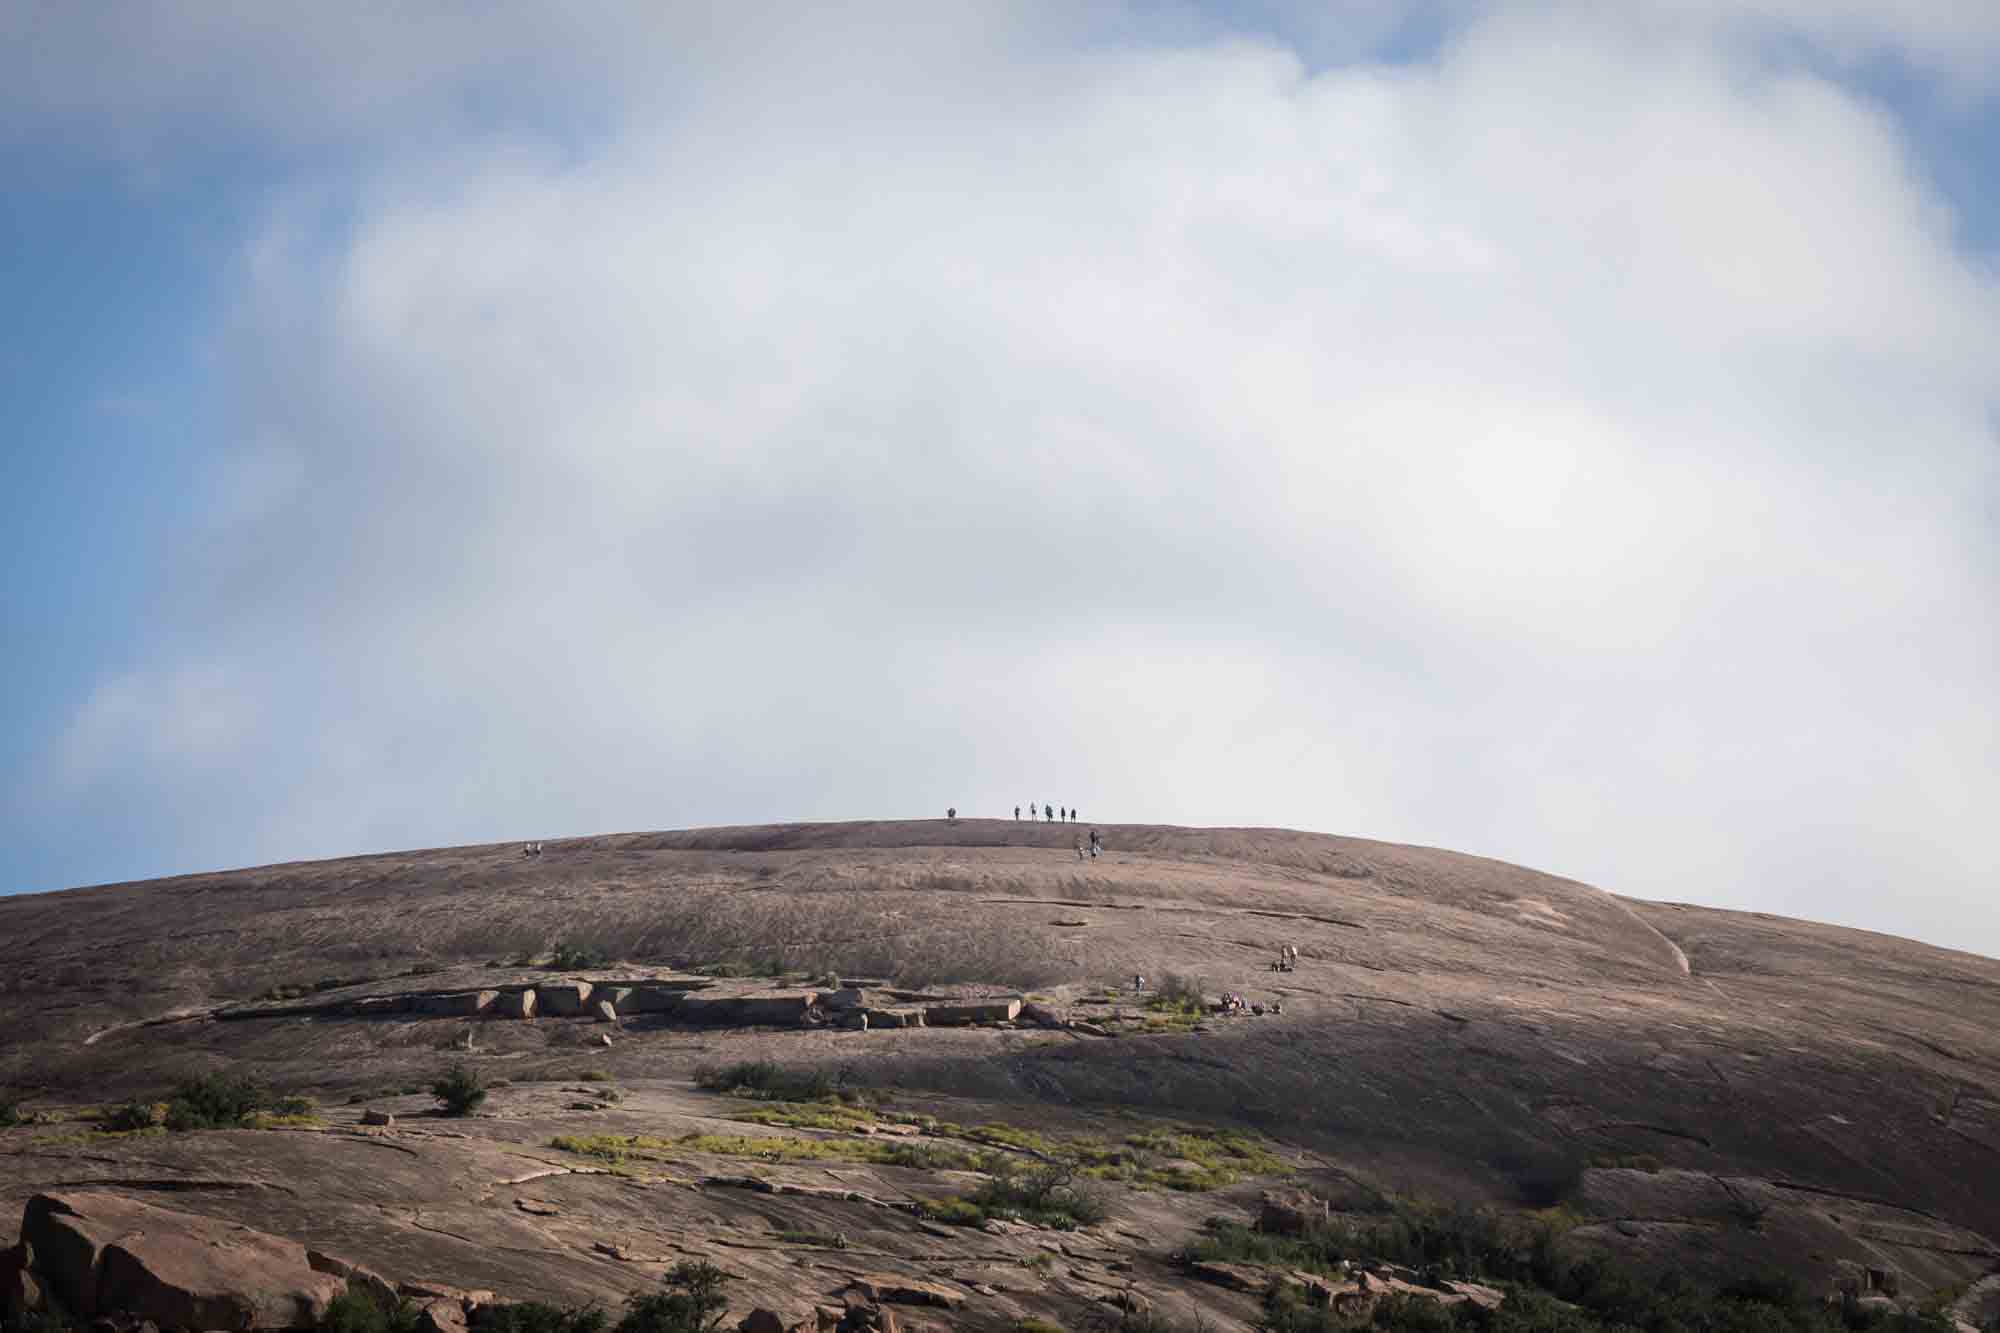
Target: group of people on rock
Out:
[1288,958]
[1050,813]
[1096,846]
[531,849]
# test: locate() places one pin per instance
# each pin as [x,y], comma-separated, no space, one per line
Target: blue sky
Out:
[1560,435]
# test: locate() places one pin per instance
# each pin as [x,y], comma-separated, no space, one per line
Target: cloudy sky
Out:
[1561,432]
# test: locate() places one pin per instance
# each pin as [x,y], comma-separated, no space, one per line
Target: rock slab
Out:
[982,1011]
[101,1252]
[564,999]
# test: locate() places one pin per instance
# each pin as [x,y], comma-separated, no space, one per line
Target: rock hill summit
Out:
[905,1075]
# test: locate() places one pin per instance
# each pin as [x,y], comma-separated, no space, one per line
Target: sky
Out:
[1568,433]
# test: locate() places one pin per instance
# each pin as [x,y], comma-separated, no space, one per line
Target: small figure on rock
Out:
[951,812]
[1048,813]
[1079,849]
[1017,814]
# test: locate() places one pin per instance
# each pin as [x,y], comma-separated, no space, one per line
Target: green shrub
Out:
[567,958]
[356,1312]
[1049,1194]
[460,1091]
[773,1082]
[1178,994]
[535,1317]
[692,1303]
[215,1101]
[1548,1292]
[10,1112]
[135,1115]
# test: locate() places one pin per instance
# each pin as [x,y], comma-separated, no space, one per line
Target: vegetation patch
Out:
[571,958]
[833,1240]
[535,1317]
[1548,1291]
[806,1115]
[460,1091]
[355,1312]
[766,1081]
[619,1148]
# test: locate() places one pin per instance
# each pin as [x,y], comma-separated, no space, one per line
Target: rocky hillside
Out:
[948,1009]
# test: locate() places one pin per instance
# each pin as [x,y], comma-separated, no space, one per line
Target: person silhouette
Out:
[1017,812]
[1048,813]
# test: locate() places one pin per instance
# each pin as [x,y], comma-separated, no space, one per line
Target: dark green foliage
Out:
[460,1091]
[354,1312]
[10,1112]
[1548,1291]
[130,1116]
[535,1317]
[216,1101]
[1050,1194]
[692,1303]
[568,958]
[766,1081]
[1179,994]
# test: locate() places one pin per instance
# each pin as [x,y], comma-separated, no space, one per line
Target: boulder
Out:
[604,1011]
[364,1282]
[894,1018]
[20,1293]
[1041,1016]
[443,1315]
[972,1011]
[377,1118]
[1236,1277]
[847,997]
[761,1320]
[652,1000]
[564,999]
[101,1252]
[887,1288]
[618,997]
[771,1009]
[1486,1298]
[515,1004]
[457,1004]
[1290,1212]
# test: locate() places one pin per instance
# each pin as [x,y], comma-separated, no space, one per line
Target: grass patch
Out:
[79,1138]
[278,1120]
[806,1115]
[593,1076]
[619,1148]
[832,1240]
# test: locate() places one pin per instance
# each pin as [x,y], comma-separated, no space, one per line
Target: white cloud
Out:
[1572,449]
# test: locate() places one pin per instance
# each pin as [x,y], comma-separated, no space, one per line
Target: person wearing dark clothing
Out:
[1048,814]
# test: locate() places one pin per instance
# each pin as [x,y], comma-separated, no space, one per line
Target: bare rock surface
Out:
[1698,1088]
